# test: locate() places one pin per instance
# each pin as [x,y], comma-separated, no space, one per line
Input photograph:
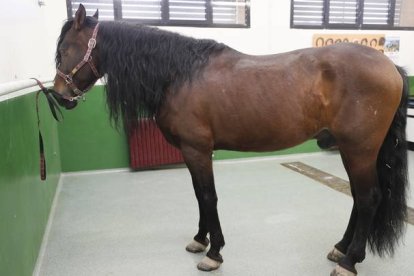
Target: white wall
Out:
[270,33]
[28,36]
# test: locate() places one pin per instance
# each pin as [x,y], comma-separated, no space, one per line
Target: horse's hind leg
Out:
[342,246]
[199,164]
[367,196]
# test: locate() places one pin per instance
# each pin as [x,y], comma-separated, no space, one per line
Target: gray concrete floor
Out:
[275,222]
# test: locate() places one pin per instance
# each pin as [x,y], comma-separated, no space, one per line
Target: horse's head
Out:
[76,58]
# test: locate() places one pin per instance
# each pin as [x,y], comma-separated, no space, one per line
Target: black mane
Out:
[141,62]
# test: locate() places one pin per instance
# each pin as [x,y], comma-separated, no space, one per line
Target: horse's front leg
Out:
[199,164]
[200,241]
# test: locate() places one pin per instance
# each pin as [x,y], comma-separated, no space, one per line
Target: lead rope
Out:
[53,106]
[41,147]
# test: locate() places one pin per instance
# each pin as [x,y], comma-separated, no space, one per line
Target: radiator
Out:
[148,147]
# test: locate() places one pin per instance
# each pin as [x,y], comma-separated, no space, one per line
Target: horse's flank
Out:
[257,93]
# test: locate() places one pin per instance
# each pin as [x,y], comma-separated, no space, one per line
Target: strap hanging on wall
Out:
[53,107]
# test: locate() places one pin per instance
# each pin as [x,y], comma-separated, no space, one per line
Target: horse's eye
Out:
[63,51]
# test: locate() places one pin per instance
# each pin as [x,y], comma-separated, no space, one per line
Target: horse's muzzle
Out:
[67,104]
[63,101]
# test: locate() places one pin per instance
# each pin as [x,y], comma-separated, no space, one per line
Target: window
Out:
[353,14]
[343,12]
[404,13]
[198,13]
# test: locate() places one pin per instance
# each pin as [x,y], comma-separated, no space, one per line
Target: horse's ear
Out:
[96,15]
[80,16]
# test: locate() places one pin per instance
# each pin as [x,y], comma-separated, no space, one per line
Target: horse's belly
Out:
[260,140]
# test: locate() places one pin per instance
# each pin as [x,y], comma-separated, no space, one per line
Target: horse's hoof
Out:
[335,255]
[340,271]
[208,264]
[196,247]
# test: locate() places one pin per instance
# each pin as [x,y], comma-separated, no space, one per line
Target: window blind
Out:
[308,12]
[141,9]
[376,12]
[404,13]
[343,12]
[105,7]
[353,14]
[187,10]
[229,11]
[169,12]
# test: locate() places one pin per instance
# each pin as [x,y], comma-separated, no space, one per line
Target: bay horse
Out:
[205,96]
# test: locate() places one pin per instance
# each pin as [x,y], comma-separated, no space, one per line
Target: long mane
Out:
[140,63]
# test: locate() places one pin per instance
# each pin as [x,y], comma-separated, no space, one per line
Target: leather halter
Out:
[87,59]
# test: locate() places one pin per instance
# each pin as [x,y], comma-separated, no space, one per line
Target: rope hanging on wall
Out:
[53,107]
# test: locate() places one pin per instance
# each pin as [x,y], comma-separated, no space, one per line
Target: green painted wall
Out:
[412,85]
[87,139]
[25,200]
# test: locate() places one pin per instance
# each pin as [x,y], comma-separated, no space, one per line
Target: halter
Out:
[87,59]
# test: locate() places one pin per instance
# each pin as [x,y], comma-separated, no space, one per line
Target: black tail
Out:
[389,221]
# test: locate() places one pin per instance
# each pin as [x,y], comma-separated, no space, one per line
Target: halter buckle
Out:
[77,92]
[68,79]
[91,43]
[74,99]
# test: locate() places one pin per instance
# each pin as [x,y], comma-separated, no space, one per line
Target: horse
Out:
[204,95]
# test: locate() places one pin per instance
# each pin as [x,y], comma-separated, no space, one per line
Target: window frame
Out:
[165,21]
[359,22]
